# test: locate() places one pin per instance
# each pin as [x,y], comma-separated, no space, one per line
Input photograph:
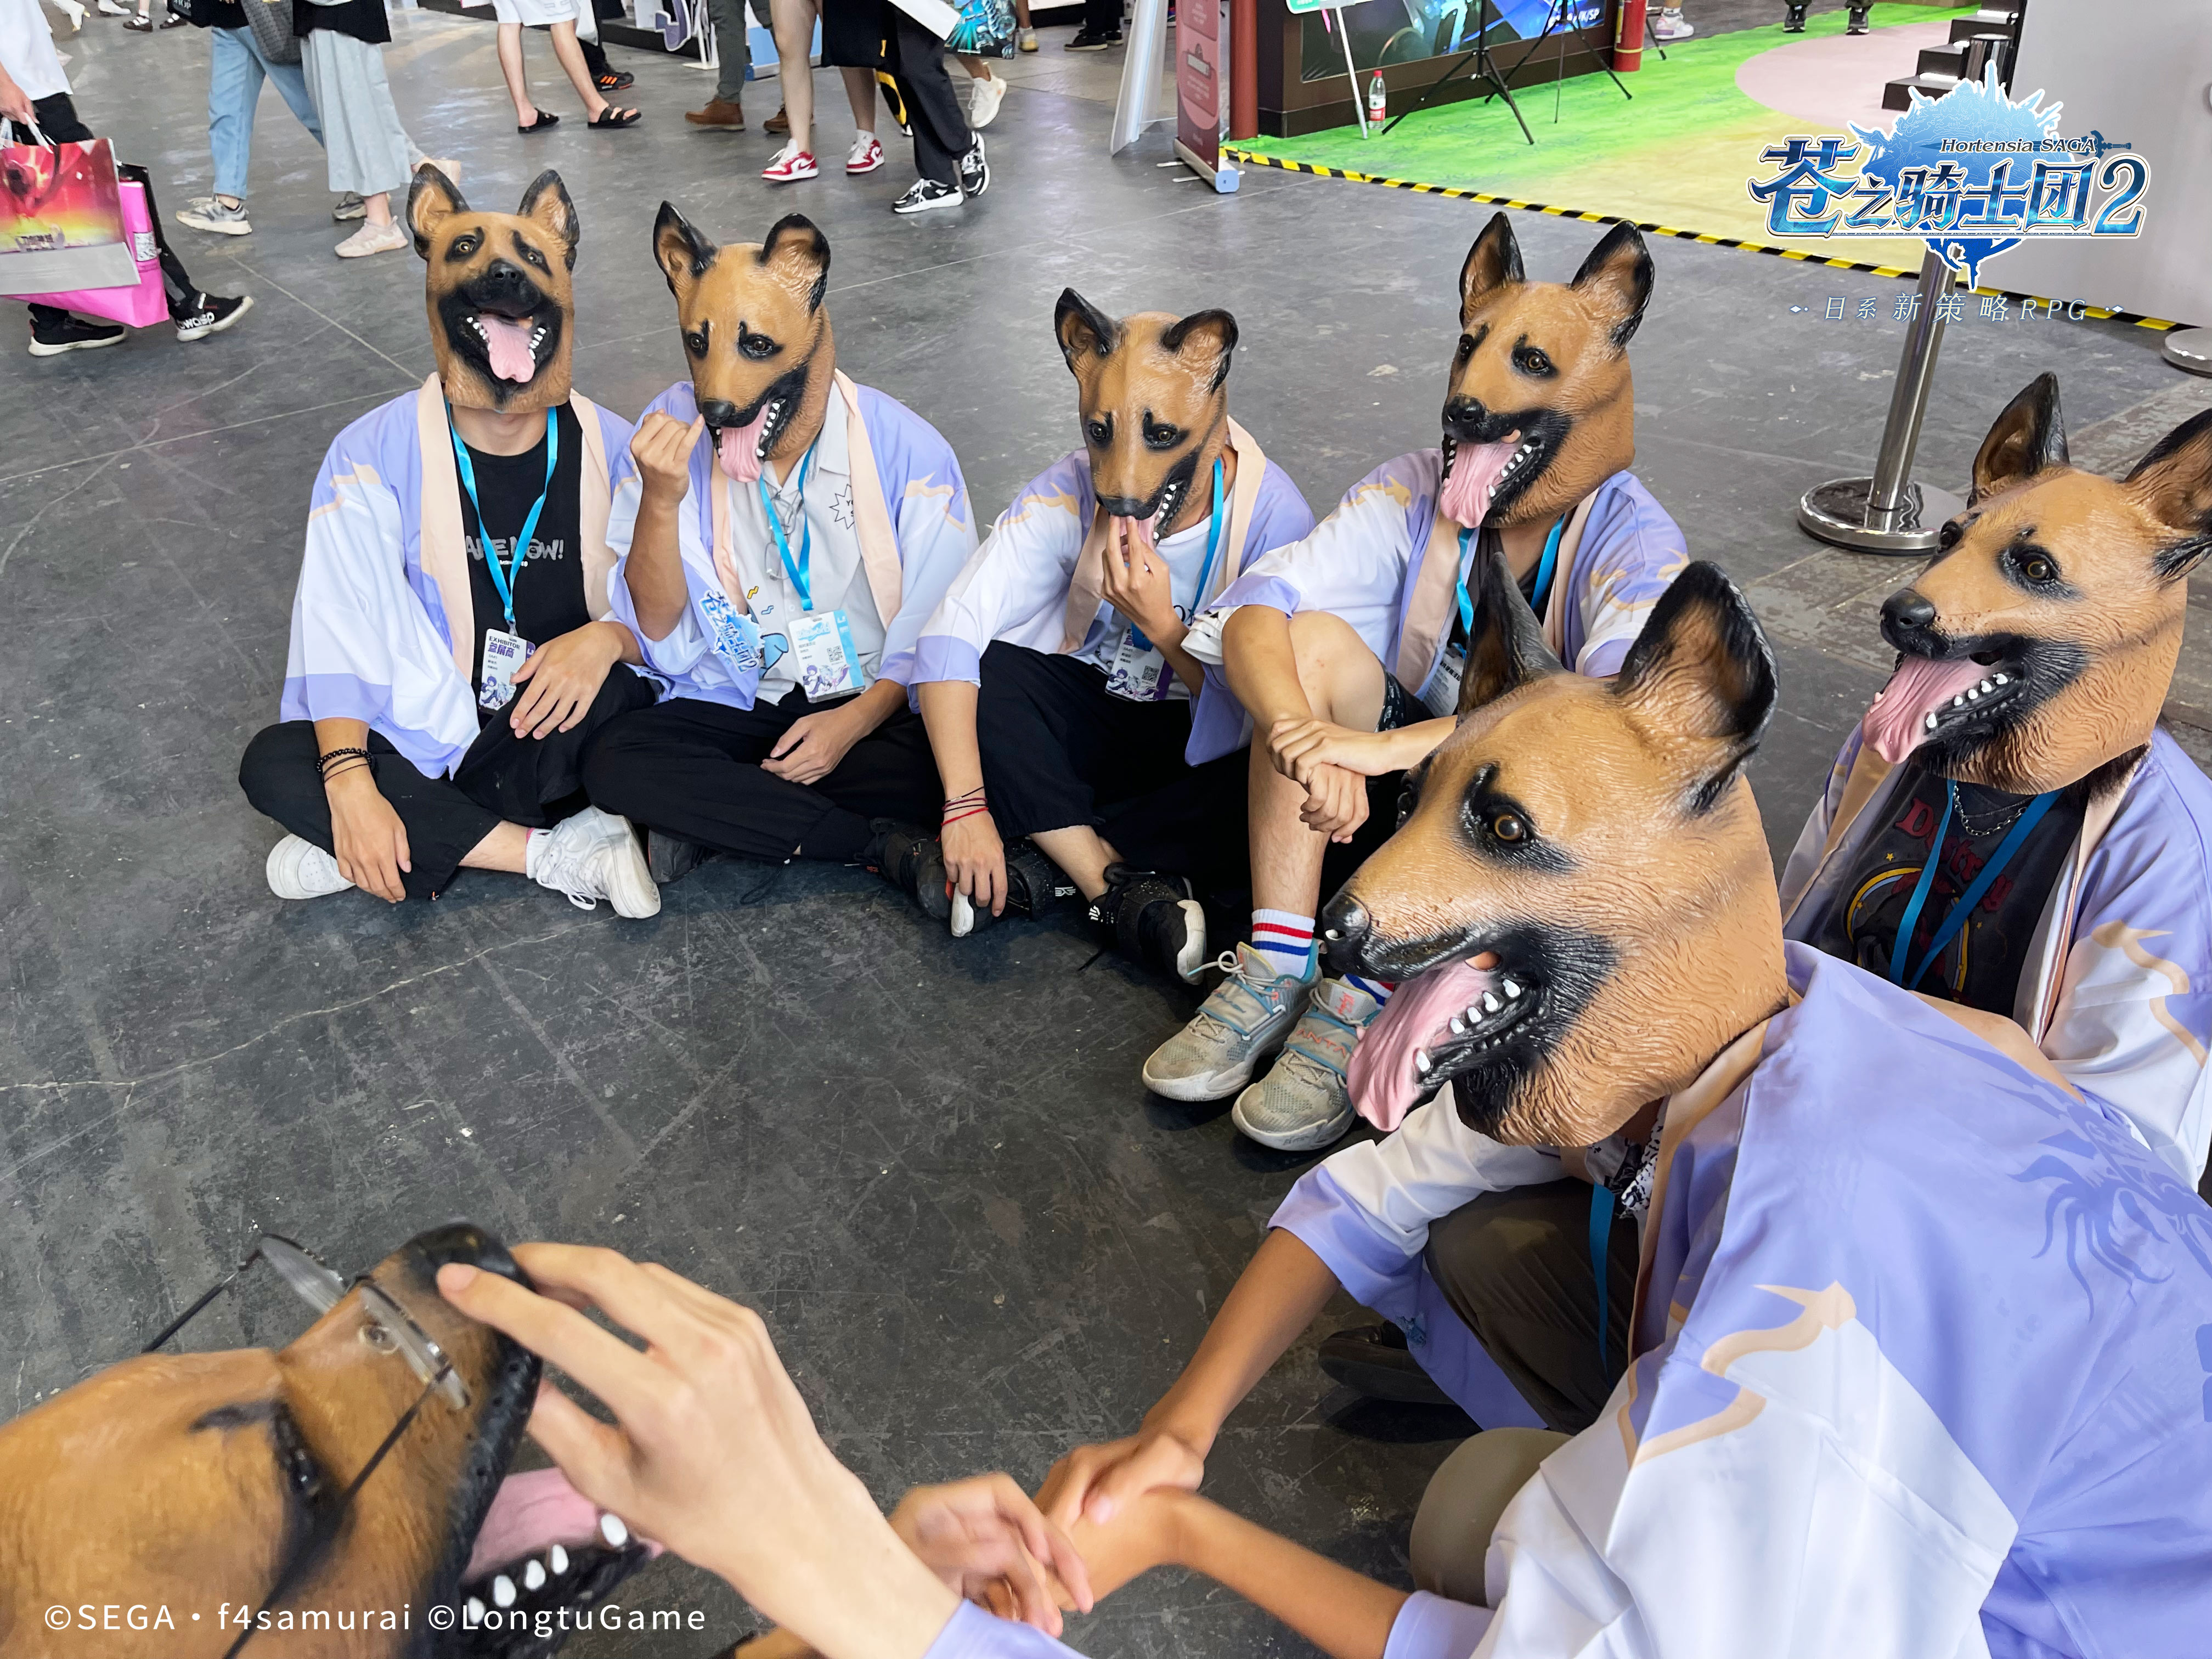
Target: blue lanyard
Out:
[503,578]
[1206,570]
[798,573]
[1546,569]
[1600,1236]
[1966,901]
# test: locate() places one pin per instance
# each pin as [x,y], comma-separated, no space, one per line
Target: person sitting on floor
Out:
[1065,716]
[451,652]
[787,535]
[1347,647]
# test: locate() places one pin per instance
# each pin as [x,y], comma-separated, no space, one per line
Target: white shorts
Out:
[536,11]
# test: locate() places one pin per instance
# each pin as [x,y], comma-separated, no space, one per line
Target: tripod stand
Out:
[1558,23]
[1485,69]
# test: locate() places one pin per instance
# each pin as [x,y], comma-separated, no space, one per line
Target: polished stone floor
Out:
[930,1164]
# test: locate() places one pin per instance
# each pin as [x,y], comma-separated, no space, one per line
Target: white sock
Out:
[1284,940]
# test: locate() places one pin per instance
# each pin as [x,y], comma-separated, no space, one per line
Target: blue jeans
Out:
[235,69]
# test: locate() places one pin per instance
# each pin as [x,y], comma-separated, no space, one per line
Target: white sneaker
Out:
[299,869]
[984,97]
[112,8]
[592,856]
[387,238]
[1671,25]
[1027,40]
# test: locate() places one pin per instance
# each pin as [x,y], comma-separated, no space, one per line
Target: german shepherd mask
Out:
[2040,645]
[185,1481]
[1539,410]
[502,306]
[1579,893]
[1152,392]
[755,337]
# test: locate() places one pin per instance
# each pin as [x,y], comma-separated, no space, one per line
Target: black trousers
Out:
[1515,1266]
[58,120]
[1101,16]
[533,782]
[933,113]
[693,768]
[1058,749]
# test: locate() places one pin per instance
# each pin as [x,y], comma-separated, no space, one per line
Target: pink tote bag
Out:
[140,305]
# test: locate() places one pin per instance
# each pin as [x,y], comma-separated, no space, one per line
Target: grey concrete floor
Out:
[930,1165]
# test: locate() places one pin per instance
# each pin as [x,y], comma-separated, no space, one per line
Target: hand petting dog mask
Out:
[1538,409]
[2040,643]
[1596,837]
[1152,391]
[501,307]
[756,336]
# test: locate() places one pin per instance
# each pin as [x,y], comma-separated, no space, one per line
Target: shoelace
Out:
[1323,1048]
[1239,982]
[569,876]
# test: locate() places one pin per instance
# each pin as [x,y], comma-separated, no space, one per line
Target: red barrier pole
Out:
[1243,68]
[1628,36]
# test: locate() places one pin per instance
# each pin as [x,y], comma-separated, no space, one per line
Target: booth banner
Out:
[1202,81]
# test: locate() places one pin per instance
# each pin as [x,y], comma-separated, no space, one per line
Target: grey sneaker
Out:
[218,218]
[350,207]
[1242,1024]
[1302,1102]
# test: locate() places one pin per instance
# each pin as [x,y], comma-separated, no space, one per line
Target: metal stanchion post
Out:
[1889,513]
[2190,348]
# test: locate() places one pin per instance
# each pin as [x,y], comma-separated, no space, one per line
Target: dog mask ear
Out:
[2173,484]
[1505,650]
[679,249]
[2029,436]
[1617,274]
[546,203]
[1207,340]
[797,254]
[1493,262]
[1700,679]
[432,199]
[1083,328]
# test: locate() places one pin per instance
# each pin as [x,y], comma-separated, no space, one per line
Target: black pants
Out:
[58,119]
[1515,1266]
[933,113]
[1060,750]
[1101,16]
[533,782]
[693,768]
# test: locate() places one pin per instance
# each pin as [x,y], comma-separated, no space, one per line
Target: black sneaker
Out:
[672,857]
[909,859]
[1153,919]
[926,193]
[1793,15]
[1035,888]
[211,313]
[1375,1360]
[1086,41]
[73,334]
[975,171]
[1855,20]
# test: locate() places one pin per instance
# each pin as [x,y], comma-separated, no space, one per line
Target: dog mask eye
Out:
[1100,432]
[2038,568]
[1160,435]
[694,342]
[1532,363]
[1509,827]
[758,347]
[464,246]
[1409,793]
[1948,537]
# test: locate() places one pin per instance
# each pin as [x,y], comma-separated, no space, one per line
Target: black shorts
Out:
[854,34]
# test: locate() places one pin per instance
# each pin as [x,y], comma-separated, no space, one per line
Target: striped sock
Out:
[1286,940]
[1379,989]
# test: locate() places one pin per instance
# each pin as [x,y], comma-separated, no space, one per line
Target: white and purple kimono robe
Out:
[383,626]
[1921,1361]
[910,516]
[1390,564]
[1036,580]
[2118,992]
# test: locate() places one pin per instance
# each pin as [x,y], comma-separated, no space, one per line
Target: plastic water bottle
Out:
[1378,101]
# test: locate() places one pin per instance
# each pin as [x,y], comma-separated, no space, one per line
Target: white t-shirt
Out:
[27,49]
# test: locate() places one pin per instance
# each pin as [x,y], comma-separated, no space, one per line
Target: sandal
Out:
[610,118]
[545,118]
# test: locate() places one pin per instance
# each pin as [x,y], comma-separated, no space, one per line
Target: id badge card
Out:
[1441,697]
[737,637]
[828,667]
[503,653]
[1136,670]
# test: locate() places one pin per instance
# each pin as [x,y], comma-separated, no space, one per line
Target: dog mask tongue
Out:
[739,449]
[1383,1082]
[1474,474]
[1897,723]
[507,342]
[528,1513]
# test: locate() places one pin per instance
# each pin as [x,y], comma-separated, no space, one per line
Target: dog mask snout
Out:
[1906,615]
[1345,926]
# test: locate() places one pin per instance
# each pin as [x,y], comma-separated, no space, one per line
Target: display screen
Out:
[1406,30]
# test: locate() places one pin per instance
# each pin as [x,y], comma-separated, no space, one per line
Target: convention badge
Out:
[737,637]
[1441,698]
[503,653]
[828,667]
[1136,669]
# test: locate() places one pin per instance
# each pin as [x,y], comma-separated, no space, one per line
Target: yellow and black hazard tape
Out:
[1256,159]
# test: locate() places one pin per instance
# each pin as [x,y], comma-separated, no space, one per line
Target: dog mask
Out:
[1152,390]
[756,336]
[502,308]
[1596,837]
[187,1480]
[1538,408]
[2040,645]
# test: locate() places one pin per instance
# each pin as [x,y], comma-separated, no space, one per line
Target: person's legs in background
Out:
[986,95]
[1026,35]
[527,116]
[570,52]
[793,21]
[236,68]
[733,53]
[866,153]
[1102,27]
[947,155]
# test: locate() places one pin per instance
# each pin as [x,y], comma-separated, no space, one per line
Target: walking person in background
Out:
[986,30]
[237,65]
[852,41]
[33,91]
[560,16]
[604,76]
[342,54]
[947,154]
[734,56]
[1102,27]
[143,23]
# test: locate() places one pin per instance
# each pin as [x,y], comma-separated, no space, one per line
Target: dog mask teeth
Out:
[557,1558]
[612,1529]
[533,1575]
[502,1591]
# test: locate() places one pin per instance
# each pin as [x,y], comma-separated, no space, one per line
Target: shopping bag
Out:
[985,29]
[143,303]
[61,217]
[272,23]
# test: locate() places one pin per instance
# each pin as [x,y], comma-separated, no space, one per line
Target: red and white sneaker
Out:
[791,165]
[866,154]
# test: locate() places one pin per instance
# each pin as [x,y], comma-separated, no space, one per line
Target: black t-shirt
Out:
[1981,966]
[548,588]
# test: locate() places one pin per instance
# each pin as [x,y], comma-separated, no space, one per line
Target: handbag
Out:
[985,29]
[61,217]
[272,23]
[144,301]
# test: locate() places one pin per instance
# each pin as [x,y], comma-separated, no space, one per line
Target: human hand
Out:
[1336,801]
[813,745]
[1151,1530]
[563,676]
[1095,1483]
[366,837]
[975,861]
[1136,583]
[1300,747]
[987,1540]
[14,102]
[662,448]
